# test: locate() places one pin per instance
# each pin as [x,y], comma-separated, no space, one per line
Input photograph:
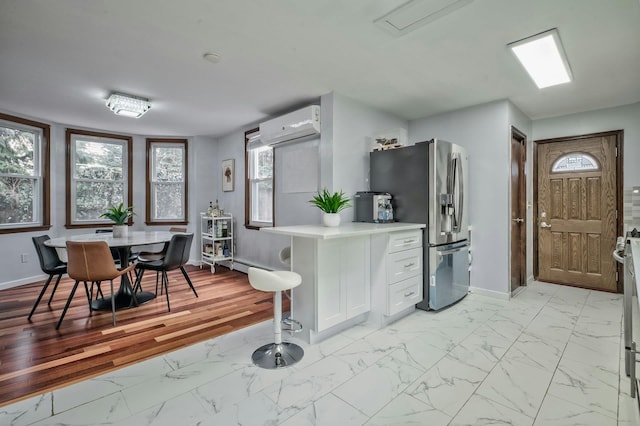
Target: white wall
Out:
[201,182]
[297,180]
[347,128]
[252,246]
[354,125]
[484,131]
[343,151]
[343,147]
[625,117]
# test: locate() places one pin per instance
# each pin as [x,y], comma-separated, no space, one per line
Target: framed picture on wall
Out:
[227,175]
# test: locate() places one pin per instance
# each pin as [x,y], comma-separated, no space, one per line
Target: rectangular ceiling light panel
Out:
[417,13]
[543,58]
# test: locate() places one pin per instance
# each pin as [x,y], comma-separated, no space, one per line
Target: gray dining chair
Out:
[50,264]
[176,257]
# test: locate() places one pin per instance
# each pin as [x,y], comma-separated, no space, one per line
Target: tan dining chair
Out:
[91,261]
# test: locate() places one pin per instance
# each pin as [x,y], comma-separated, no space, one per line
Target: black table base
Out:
[124,298]
[123,301]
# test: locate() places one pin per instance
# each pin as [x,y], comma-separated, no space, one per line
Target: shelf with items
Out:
[216,240]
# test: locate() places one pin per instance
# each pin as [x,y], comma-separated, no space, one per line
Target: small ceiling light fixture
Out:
[128,105]
[543,58]
[212,57]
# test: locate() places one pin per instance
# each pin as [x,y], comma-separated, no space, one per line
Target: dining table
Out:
[125,296]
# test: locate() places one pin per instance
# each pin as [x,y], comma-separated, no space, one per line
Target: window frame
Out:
[127,169]
[42,200]
[248,222]
[151,142]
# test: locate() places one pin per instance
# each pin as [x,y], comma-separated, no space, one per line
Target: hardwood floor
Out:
[36,358]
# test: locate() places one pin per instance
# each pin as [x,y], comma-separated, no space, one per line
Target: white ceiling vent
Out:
[416,13]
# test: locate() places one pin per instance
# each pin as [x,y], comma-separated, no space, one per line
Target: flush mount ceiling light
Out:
[127,105]
[543,58]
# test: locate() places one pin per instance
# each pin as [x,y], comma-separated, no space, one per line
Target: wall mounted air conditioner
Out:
[295,125]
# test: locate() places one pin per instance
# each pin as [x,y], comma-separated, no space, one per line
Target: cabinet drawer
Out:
[404,294]
[404,240]
[403,265]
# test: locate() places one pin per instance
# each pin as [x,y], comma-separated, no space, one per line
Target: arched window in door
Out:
[575,162]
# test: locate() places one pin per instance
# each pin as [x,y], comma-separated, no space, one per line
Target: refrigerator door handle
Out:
[451,251]
[458,190]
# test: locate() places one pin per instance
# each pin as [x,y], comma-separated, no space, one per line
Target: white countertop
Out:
[349,229]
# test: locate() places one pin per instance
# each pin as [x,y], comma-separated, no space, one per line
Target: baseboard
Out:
[23,281]
[490,293]
[238,265]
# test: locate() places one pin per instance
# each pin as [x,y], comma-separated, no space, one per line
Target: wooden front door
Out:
[518,211]
[577,218]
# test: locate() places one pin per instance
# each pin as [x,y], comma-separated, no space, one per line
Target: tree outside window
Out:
[98,175]
[259,182]
[167,171]
[24,184]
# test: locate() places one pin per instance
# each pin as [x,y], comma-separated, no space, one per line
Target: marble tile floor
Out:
[550,356]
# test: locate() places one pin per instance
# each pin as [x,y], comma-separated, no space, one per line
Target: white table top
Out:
[351,229]
[135,238]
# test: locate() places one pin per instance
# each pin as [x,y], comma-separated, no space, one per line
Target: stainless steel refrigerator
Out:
[428,182]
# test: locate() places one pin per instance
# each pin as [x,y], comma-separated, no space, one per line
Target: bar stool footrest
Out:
[291,325]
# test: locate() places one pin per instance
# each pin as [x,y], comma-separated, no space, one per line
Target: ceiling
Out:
[61,59]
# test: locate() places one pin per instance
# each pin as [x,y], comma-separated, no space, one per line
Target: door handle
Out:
[518,220]
[544,224]
[452,251]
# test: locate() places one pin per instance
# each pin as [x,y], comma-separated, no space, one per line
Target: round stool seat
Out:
[273,280]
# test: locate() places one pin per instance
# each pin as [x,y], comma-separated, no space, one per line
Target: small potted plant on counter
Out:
[331,205]
[119,215]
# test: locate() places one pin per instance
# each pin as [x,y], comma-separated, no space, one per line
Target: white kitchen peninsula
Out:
[336,266]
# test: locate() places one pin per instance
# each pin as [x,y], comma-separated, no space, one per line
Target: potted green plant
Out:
[331,204]
[119,215]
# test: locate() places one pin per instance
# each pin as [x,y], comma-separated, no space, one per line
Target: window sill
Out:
[257,227]
[25,229]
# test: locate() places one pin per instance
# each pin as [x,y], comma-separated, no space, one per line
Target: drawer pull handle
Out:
[409,265]
[410,241]
[411,293]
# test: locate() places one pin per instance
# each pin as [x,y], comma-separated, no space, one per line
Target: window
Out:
[24,175]
[259,182]
[167,173]
[98,171]
[574,162]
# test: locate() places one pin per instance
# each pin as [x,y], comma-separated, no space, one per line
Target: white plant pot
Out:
[331,219]
[120,231]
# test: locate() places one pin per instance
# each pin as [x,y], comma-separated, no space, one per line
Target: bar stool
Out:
[278,354]
[291,325]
